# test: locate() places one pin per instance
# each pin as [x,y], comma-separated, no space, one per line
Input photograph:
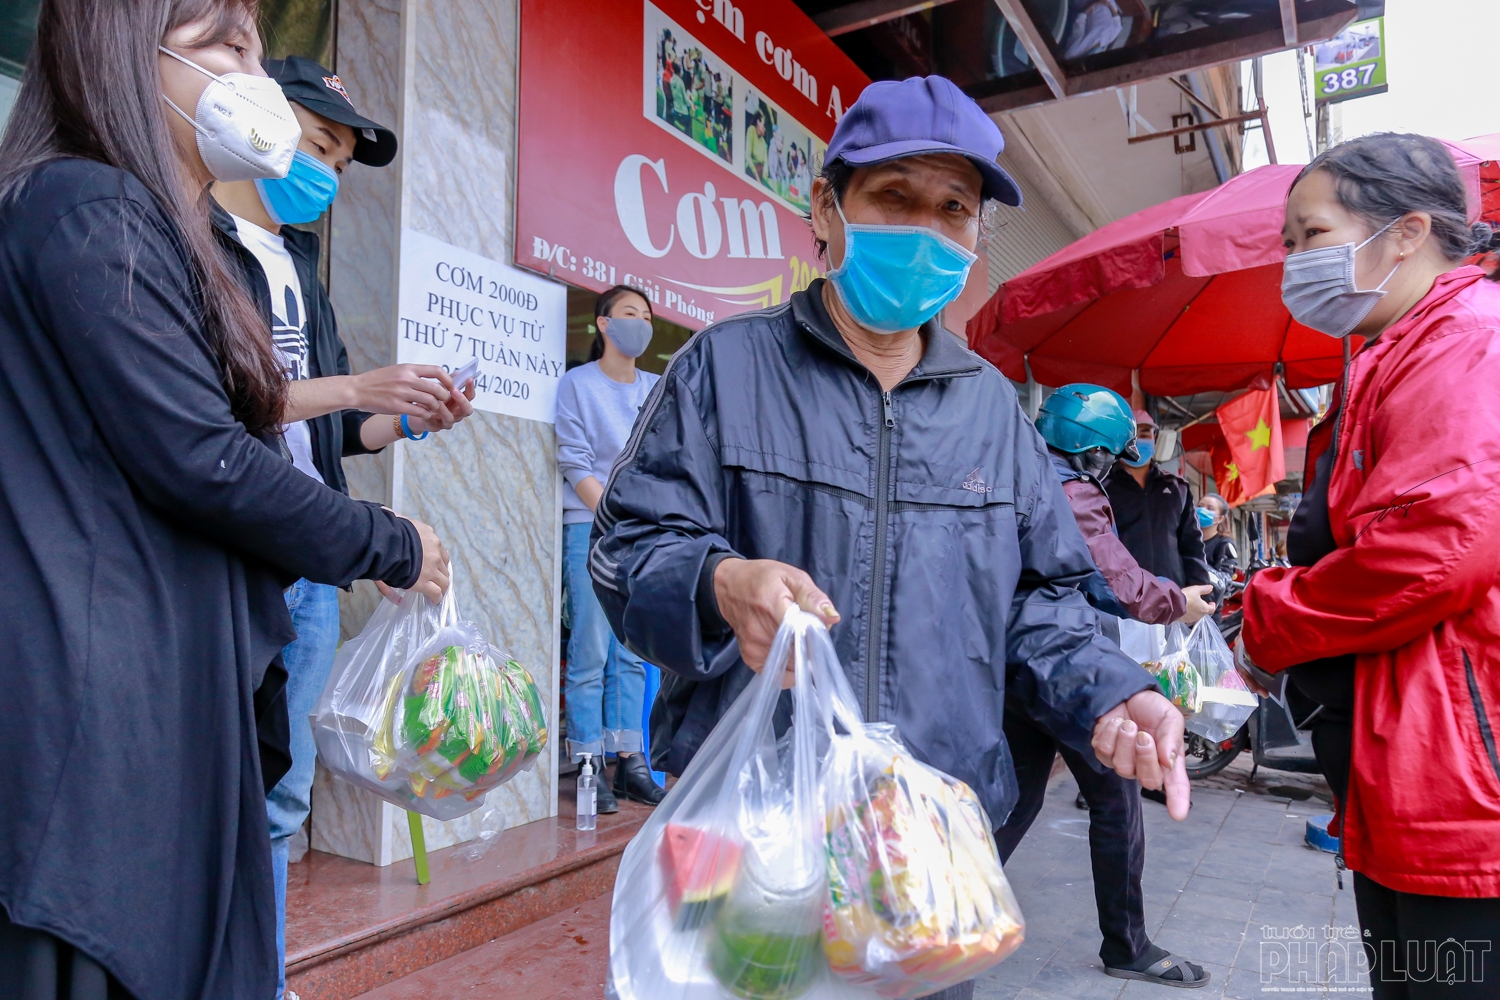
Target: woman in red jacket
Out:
[1397,593]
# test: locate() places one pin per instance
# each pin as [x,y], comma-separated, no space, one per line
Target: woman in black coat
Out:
[148,523]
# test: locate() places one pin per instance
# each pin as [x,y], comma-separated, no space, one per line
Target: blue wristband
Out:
[406,429]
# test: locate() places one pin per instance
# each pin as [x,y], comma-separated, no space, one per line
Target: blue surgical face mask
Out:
[1206,517]
[896,278]
[303,194]
[1147,449]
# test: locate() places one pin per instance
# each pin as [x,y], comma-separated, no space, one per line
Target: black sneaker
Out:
[633,781]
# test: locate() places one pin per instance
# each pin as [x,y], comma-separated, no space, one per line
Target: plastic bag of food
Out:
[721,892]
[467,718]
[826,864]
[1224,701]
[917,901]
[1175,673]
[422,711]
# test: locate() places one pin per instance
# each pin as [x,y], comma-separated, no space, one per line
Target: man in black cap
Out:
[330,413]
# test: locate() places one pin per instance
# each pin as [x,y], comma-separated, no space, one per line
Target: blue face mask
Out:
[1147,448]
[896,278]
[1205,517]
[303,194]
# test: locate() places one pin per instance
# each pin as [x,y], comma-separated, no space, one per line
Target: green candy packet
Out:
[466,723]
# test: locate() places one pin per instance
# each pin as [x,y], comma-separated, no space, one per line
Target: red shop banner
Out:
[671,145]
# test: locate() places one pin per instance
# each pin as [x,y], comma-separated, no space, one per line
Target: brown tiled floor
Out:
[563,957]
[332,899]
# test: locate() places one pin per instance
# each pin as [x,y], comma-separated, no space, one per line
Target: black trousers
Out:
[1117,835]
[34,965]
[1428,947]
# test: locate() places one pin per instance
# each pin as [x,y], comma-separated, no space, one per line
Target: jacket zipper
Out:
[1485,732]
[1338,425]
[877,585]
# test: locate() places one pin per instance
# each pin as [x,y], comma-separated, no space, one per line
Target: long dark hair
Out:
[1382,177]
[92,89]
[602,305]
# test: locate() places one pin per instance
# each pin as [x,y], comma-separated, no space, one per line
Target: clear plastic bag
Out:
[917,901]
[1224,702]
[726,890]
[1176,673]
[421,710]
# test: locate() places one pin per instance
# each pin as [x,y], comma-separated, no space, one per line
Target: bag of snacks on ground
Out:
[421,710]
[1224,701]
[826,864]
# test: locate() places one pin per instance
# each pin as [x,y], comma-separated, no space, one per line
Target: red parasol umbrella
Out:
[1186,293]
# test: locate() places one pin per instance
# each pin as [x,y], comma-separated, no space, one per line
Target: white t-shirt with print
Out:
[288,325]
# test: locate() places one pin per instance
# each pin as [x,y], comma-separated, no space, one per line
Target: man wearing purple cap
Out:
[843,453]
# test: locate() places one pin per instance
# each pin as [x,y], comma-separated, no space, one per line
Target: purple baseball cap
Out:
[894,119]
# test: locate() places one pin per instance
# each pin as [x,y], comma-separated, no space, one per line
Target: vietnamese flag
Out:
[1226,472]
[1251,425]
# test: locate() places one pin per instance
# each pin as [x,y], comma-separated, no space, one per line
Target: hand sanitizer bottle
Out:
[588,795]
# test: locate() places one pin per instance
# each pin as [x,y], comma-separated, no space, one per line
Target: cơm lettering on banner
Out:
[671,145]
[456,307]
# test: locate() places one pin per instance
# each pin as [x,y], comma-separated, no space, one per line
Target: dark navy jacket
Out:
[931,515]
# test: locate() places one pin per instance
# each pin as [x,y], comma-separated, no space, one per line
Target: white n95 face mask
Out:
[1318,288]
[246,129]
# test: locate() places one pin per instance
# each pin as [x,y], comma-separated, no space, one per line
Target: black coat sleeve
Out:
[660,522]
[119,300]
[1190,541]
[1061,669]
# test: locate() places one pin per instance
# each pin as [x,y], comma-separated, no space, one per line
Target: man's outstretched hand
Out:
[753,596]
[1141,738]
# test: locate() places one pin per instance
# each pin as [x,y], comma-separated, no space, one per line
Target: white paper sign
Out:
[457,307]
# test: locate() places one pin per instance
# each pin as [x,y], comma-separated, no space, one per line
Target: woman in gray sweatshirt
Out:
[597,405]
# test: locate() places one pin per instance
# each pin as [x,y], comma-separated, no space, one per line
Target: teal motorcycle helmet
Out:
[1082,417]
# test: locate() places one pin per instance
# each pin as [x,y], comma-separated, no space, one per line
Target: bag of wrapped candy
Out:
[422,711]
[825,864]
[1224,701]
[467,718]
[1175,673]
[917,900]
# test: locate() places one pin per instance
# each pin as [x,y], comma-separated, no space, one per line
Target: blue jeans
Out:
[606,683]
[315,614]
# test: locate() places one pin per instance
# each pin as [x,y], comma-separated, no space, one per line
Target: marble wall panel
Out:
[444,76]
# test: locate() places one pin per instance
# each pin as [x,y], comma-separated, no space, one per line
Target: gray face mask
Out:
[1319,290]
[630,336]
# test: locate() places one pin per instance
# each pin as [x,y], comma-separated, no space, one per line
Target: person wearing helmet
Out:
[1086,428]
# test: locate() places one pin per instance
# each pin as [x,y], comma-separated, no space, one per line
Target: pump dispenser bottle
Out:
[588,795]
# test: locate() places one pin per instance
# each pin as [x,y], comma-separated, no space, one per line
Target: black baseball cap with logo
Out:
[323,93]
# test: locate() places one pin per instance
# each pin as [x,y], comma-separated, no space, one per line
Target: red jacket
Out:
[1413,590]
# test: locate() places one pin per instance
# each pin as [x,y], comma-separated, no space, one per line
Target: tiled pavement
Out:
[1232,888]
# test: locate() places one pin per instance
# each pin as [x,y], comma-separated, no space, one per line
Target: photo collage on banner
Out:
[692,93]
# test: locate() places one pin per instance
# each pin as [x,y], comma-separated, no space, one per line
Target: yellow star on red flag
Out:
[1231,472]
[1259,435]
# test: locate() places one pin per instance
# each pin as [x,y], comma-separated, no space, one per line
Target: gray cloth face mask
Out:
[1318,288]
[631,336]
